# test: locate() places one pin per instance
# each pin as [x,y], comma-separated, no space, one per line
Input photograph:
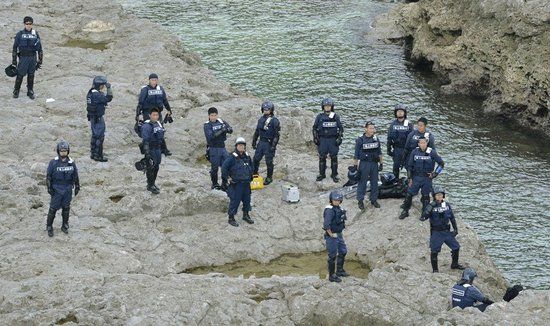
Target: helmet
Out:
[353,173]
[335,195]
[327,101]
[212,110]
[11,71]
[98,81]
[439,190]
[28,19]
[401,107]
[63,145]
[387,178]
[240,140]
[153,76]
[468,274]
[268,105]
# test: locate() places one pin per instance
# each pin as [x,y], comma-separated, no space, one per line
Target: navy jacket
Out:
[238,167]
[334,219]
[368,148]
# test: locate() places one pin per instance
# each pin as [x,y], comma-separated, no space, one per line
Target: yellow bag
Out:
[257,182]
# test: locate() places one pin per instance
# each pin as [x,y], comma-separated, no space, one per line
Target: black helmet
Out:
[268,105]
[212,110]
[468,274]
[327,101]
[98,81]
[401,107]
[28,19]
[335,195]
[353,173]
[11,71]
[63,145]
[153,76]
[439,190]
[387,178]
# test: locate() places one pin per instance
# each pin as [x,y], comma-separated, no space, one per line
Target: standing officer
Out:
[215,131]
[26,45]
[368,154]
[412,138]
[152,96]
[420,171]
[238,168]
[440,214]
[96,100]
[268,129]
[152,133]
[327,135]
[464,294]
[334,222]
[398,132]
[61,177]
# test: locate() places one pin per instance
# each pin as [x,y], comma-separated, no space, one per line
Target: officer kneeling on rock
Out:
[465,294]
[368,155]
[237,169]
[267,130]
[334,223]
[440,214]
[26,45]
[96,100]
[61,177]
[152,133]
[215,131]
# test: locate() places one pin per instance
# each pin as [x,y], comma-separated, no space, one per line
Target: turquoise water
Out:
[296,52]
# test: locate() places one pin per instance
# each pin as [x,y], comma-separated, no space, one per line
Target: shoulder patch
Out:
[332,115]
[235,154]
[220,120]
[207,122]
[374,137]
[466,285]
[158,87]
[428,150]
[427,135]
[142,87]
[328,206]
[56,158]
[147,121]
[406,123]
[33,32]
[71,160]
[95,91]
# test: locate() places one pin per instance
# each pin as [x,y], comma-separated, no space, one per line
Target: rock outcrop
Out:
[124,260]
[494,49]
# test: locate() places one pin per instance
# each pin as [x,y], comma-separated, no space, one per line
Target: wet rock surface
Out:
[124,260]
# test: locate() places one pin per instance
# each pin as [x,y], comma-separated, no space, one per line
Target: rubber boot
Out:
[92,149]
[433,259]
[406,206]
[396,172]
[332,271]
[231,221]
[214,179]
[361,205]
[30,86]
[375,204]
[99,150]
[425,200]
[322,169]
[165,149]
[256,167]
[334,169]
[150,181]
[340,266]
[155,174]
[17,87]
[454,263]
[247,218]
[65,215]
[49,221]
[269,178]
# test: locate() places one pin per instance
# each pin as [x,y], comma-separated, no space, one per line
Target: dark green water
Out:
[296,52]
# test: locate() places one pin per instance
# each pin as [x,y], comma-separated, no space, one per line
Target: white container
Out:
[291,194]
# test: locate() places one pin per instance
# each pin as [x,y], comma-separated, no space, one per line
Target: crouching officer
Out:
[267,130]
[97,99]
[368,156]
[237,169]
[464,294]
[152,133]
[327,135]
[414,136]
[334,222]
[420,171]
[215,131]
[61,178]
[26,45]
[440,214]
[152,96]
[398,132]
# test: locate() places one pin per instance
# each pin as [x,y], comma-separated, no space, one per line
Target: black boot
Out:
[151,182]
[361,205]
[65,215]
[334,169]
[332,271]
[396,171]
[165,149]
[425,200]
[231,221]
[17,87]
[269,179]
[322,169]
[214,179]
[93,149]
[340,266]
[256,165]
[49,221]
[406,206]
[454,263]
[247,218]
[155,174]
[99,151]
[375,204]
[30,86]
[433,259]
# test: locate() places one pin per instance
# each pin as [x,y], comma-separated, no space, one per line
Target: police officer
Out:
[327,135]
[464,294]
[334,222]
[61,178]
[152,133]
[237,170]
[267,130]
[215,131]
[420,171]
[152,96]
[398,132]
[96,100]
[440,214]
[26,45]
[368,156]
[412,139]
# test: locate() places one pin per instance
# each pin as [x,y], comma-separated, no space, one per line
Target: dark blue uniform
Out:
[267,130]
[441,217]
[239,168]
[419,166]
[216,135]
[152,97]
[96,102]
[368,151]
[412,142]
[334,219]
[397,138]
[467,295]
[328,128]
[27,44]
[62,176]
[152,134]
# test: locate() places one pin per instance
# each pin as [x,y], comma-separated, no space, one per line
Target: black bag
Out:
[11,71]
[397,189]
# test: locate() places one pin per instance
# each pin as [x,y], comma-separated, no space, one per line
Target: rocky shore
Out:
[125,259]
[498,50]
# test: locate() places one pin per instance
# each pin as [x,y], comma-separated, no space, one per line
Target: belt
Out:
[266,139]
[154,145]
[425,175]
[441,228]
[222,146]
[370,159]
[27,53]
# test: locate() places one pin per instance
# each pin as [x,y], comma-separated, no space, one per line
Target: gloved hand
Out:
[76,190]
[168,119]
[39,65]
[108,85]
[380,167]
[339,140]
[433,175]
[455,233]
[51,191]
[254,145]
[149,163]
[224,185]
[14,62]
[137,118]
[390,152]
[273,148]
[316,141]
[423,218]
[229,130]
